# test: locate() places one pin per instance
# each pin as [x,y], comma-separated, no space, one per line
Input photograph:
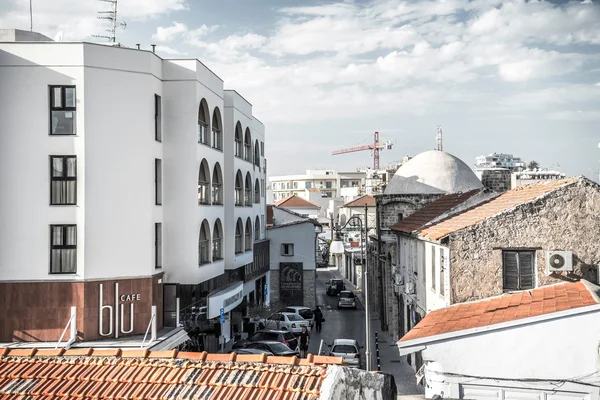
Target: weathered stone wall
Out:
[497,180]
[390,205]
[308,288]
[566,219]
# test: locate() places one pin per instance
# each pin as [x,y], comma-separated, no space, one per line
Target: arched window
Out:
[217,185]
[248,235]
[257,154]
[257,229]
[203,116]
[204,183]
[217,129]
[204,244]
[257,191]
[248,146]
[248,190]
[217,244]
[239,229]
[239,189]
[238,151]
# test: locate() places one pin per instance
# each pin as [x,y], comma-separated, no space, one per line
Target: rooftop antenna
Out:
[111,17]
[30,16]
[438,139]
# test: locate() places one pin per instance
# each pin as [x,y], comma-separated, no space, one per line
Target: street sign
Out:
[266,289]
[222,315]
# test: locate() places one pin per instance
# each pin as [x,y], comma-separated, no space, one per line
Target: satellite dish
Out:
[58,37]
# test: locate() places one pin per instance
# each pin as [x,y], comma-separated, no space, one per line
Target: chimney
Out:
[137,45]
[153,48]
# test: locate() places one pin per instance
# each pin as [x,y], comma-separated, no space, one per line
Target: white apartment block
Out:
[499,160]
[330,182]
[137,175]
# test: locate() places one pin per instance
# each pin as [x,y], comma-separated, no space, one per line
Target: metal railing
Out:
[152,325]
[73,331]
[238,148]
[202,132]
[247,197]
[217,139]
[217,193]
[238,244]
[203,251]
[247,152]
[203,193]
[239,201]
[217,246]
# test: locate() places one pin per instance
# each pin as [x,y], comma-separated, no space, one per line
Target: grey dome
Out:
[433,172]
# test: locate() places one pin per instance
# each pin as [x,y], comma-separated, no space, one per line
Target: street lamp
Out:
[337,247]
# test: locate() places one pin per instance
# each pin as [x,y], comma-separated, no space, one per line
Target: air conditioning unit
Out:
[409,288]
[559,261]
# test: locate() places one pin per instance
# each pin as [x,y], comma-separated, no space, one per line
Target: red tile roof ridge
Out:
[469,217]
[302,202]
[368,201]
[145,354]
[507,307]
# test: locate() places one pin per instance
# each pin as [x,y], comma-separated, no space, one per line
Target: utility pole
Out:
[367,314]
[30,16]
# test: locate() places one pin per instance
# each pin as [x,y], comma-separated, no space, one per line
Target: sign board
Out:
[222,315]
[291,282]
[266,289]
[226,299]
[117,311]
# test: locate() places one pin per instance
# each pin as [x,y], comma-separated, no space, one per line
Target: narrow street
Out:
[350,324]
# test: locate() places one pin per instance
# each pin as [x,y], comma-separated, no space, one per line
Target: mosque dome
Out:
[433,172]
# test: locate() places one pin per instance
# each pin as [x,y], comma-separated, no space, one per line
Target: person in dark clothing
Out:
[304,341]
[318,315]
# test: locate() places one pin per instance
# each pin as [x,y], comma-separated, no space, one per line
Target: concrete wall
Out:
[565,219]
[498,180]
[343,383]
[530,351]
[392,205]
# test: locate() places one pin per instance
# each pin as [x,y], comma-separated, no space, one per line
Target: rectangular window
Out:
[62,110]
[400,217]
[158,245]
[63,180]
[157,181]
[518,270]
[433,272]
[63,249]
[157,118]
[287,249]
[442,273]
[262,149]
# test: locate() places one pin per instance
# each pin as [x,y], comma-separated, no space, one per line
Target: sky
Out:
[499,76]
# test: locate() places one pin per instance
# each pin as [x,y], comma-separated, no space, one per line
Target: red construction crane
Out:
[376,147]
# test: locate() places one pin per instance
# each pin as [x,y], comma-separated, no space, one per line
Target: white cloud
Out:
[576,115]
[166,34]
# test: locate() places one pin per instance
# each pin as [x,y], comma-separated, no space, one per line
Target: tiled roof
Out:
[503,202]
[139,374]
[505,308]
[313,190]
[431,211]
[295,201]
[363,200]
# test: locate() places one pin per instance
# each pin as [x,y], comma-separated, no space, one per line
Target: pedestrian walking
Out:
[318,315]
[304,341]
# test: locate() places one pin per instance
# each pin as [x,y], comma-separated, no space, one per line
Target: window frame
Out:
[64,178]
[157,182]
[62,107]
[158,246]
[157,117]
[62,247]
[518,253]
[283,249]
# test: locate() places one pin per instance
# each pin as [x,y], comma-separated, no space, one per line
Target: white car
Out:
[302,311]
[348,349]
[286,321]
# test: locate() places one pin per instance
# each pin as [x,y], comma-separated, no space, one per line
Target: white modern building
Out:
[331,183]
[499,160]
[529,177]
[143,193]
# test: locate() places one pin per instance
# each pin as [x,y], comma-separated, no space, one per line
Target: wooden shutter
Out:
[510,270]
[526,270]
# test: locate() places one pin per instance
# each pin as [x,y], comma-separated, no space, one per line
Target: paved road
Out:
[350,324]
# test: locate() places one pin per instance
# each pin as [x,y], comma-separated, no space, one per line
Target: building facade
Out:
[145,187]
[329,182]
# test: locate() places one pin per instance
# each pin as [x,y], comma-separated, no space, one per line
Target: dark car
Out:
[277,348]
[284,337]
[335,287]
[252,351]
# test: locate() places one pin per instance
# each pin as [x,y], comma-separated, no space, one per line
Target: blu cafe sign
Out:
[116,312]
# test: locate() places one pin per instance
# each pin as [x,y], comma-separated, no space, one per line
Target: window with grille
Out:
[62,110]
[63,249]
[518,270]
[287,249]
[63,180]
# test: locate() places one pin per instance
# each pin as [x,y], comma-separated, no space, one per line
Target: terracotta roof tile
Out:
[103,374]
[503,202]
[295,201]
[431,211]
[505,308]
[363,200]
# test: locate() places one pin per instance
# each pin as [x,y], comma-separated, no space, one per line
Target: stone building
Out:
[421,180]
[496,179]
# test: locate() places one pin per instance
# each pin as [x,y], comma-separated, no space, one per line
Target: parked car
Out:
[302,311]
[346,299]
[252,350]
[348,349]
[335,286]
[286,321]
[285,337]
[276,348]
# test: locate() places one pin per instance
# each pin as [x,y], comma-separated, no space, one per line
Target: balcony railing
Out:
[203,193]
[247,152]
[203,132]
[203,252]
[238,244]
[217,194]
[238,148]
[247,198]
[217,139]
[217,246]
[239,201]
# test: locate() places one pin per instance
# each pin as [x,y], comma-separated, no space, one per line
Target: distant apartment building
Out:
[143,197]
[528,177]
[499,160]
[329,182]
